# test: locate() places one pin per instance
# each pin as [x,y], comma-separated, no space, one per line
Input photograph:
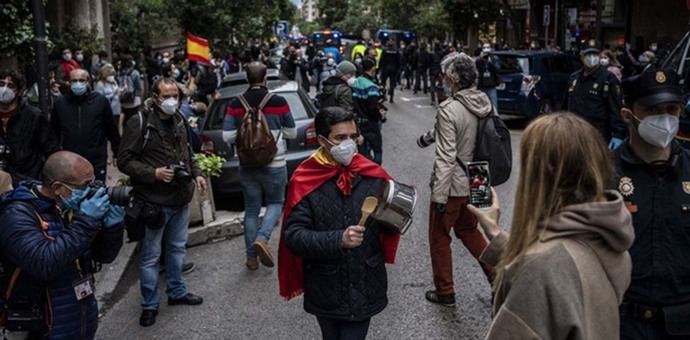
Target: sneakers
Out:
[148,317]
[252,263]
[261,249]
[446,300]
[189,299]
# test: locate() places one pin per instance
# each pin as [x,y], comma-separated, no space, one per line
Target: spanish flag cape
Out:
[309,176]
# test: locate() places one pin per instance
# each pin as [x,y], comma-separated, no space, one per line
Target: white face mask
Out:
[330,62]
[343,152]
[7,95]
[67,56]
[591,60]
[169,106]
[658,130]
[351,82]
[604,62]
[110,79]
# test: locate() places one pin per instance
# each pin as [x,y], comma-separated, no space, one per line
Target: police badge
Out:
[626,187]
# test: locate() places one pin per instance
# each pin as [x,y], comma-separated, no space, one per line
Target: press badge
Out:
[83,288]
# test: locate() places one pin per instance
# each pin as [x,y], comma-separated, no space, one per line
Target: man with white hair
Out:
[455,133]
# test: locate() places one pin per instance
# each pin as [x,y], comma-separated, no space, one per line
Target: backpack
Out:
[256,146]
[126,81]
[329,99]
[493,145]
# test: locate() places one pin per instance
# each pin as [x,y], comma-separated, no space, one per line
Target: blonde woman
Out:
[107,86]
[562,271]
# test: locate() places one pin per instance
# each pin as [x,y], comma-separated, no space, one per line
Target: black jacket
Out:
[349,284]
[164,147]
[598,99]
[658,197]
[30,140]
[84,125]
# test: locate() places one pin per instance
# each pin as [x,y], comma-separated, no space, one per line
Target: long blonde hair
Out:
[563,161]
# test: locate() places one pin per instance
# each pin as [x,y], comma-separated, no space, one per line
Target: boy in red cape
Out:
[323,253]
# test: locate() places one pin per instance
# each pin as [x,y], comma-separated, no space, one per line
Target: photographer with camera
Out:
[156,154]
[26,138]
[53,237]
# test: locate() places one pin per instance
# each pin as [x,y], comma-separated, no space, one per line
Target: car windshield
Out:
[297,108]
[513,64]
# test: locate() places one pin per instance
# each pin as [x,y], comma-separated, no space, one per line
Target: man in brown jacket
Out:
[455,134]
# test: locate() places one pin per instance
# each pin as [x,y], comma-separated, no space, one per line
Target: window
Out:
[217,115]
[513,64]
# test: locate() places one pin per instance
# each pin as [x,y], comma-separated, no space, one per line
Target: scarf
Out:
[309,176]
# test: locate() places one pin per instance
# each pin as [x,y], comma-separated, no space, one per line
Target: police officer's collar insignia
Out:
[686,187]
[626,187]
[660,77]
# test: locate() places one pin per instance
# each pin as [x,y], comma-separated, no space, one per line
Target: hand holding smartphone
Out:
[480,184]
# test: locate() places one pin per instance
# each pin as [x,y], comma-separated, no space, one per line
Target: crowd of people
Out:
[600,208]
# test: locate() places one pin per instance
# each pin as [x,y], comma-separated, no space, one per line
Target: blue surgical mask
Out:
[446,90]
[78,88]
[74,201]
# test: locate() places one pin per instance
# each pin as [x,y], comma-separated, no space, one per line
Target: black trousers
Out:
[422,78]
[634,329]
[392,77]
[334,329]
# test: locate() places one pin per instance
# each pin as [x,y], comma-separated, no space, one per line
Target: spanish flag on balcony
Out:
[197,49]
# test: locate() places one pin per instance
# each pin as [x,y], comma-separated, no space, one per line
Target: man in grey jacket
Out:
[455,133]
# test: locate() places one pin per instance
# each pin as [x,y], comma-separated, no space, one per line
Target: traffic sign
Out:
[282,28]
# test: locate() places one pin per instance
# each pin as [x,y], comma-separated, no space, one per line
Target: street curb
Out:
[226,225]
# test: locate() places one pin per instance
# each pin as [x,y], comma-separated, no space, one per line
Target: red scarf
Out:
[309,176]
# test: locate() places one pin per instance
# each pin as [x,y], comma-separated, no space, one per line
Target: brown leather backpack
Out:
[256,146]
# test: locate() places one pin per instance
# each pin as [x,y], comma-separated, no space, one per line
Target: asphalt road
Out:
[245,305]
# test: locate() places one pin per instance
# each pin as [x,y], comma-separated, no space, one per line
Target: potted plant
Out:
[210,166]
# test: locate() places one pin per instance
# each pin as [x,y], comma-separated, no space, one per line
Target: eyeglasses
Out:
[72,187]
[78,80]
[162,98]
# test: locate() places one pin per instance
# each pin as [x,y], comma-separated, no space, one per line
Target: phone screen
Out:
[480,184]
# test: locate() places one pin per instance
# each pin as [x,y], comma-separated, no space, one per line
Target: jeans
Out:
[492,94]
[173,235]
[373,142]
[634,329]
[261,183]
[334,329]
[464,224]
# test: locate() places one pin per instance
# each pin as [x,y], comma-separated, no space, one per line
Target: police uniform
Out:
[657,303]
[597,98]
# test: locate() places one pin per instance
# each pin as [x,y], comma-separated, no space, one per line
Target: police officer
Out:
[594,94]
[390,67]
[654,180]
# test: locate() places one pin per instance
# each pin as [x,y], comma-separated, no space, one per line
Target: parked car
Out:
[533,82]
[302,109]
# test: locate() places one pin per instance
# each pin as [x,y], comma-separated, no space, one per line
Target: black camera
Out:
[181,173]
[426,139]
[118,195]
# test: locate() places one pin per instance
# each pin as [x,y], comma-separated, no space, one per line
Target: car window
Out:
[215,119]
[513,64]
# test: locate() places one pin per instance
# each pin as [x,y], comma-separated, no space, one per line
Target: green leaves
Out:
[210,165]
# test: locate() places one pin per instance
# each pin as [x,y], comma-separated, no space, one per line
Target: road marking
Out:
[423,106]
[408,99]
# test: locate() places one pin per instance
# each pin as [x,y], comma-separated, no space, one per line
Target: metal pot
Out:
[396,206]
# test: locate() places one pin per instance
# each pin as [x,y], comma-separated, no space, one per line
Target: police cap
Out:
[651,87]
[591,47]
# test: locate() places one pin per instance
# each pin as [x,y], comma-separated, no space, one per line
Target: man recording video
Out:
[52,236]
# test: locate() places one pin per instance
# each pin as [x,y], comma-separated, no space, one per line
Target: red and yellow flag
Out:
[197,49]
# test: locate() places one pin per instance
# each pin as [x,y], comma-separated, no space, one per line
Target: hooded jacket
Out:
[455,133]
[336,92]
[569,284]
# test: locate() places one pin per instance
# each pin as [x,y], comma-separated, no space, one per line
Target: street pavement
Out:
[240,304]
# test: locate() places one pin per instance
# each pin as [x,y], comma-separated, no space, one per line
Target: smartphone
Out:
[480,184]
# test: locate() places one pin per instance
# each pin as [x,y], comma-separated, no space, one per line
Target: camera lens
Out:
[119,195]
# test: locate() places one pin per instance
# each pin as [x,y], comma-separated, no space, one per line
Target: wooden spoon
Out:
[370,204]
